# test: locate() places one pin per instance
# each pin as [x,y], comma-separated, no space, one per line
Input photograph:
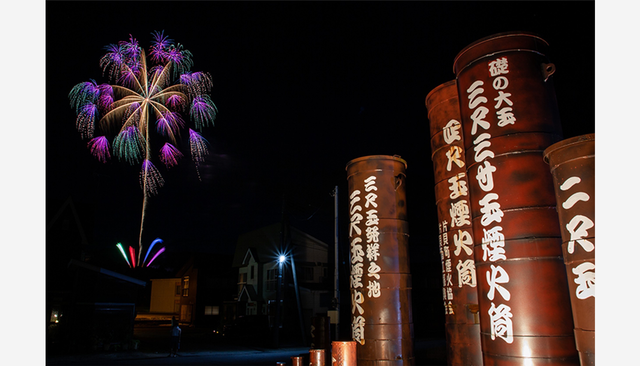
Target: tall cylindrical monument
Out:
[380,283]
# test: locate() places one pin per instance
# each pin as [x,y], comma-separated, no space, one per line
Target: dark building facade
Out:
[305,287]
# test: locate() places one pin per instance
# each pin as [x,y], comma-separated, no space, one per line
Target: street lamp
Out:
[281,259]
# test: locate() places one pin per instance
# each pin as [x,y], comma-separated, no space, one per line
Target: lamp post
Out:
[336,265]
[281,260]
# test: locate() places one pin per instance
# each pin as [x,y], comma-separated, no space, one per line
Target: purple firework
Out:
[169,155]
[142,101]
[203,111]
[85,120]
[99,147]
[169,123]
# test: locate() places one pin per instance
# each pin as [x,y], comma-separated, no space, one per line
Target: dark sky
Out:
[302,88]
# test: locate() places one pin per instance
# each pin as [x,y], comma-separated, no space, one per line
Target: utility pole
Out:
[279,277]
[336,284]
[278,301]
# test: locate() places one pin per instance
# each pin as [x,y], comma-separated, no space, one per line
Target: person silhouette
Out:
[176,332]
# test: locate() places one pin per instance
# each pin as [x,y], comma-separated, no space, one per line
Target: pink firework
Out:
[142,104]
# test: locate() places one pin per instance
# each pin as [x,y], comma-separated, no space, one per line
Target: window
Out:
[211,310]
[252,271]
[185,286]
[325,300]
[271,280]
[54,318]
[308,274]
[251,308]
[242,280]
[178,289]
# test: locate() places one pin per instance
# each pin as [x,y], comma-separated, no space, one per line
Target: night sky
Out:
[302,88]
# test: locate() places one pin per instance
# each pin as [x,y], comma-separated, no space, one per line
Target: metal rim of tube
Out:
[378,157]
[491,38]
[566,143]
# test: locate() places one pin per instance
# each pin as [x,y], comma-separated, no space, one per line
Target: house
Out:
[306,287]
[196,292]
[165,296]
[66,238]
[98,311]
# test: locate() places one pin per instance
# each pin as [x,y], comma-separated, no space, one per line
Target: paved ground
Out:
[201,346]
[219,357]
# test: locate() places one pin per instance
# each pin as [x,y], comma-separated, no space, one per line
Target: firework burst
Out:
[132,263]
[141,105]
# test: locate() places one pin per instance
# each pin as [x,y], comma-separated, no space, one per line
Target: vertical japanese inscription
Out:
[578,228]
[493,246]
[463,271]
[357,263]
[364,243]
[372,233]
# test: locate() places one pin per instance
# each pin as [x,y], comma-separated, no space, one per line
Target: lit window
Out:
[185,286]
[211,310]
[54,316]
[242,280]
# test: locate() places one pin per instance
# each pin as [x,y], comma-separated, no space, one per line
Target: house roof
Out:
[251,252]
[106,272]
[265,242]
[249,291]
[68,205]
[215,262]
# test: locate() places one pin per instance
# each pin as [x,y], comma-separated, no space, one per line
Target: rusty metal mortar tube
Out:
[296,361]
[510,116]
[380,284]
[460,294]
[343,353]
[572,164]
[320,333]
[317,357]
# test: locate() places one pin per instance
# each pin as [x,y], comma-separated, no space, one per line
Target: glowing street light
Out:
[282,258]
